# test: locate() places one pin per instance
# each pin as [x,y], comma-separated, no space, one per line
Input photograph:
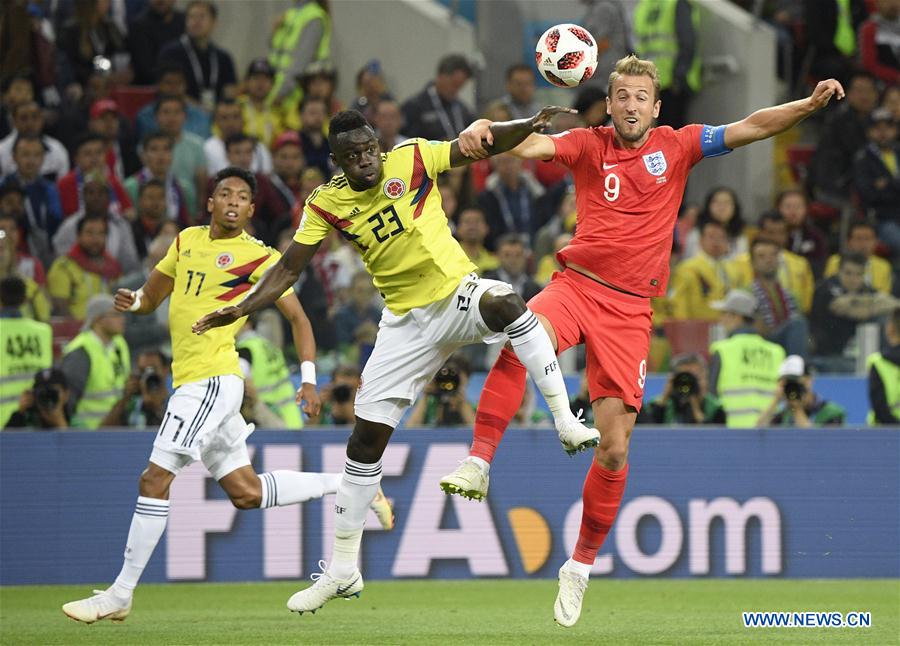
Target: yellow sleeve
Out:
[258,273]
[740,271]
[39,302]
[313,227]
[831,267]
[807,286]
[679,294]
[167,264]
[435,155]
[58,280]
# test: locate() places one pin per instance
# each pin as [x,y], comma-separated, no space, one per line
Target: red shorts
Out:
[614,327]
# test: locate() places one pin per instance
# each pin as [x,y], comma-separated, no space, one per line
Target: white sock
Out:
[531,344]
[354,495]
[147,526]
[482,464]
[584,569]
[280,488]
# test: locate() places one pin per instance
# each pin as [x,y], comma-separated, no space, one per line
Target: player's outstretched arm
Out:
[305,344]
[269,289]
[769,122]
[146,299]
[485,138]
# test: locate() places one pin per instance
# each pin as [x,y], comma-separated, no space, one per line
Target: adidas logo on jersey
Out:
[186,253]
[355,211]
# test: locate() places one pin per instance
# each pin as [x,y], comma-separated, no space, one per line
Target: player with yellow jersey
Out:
[206,267]
[388,206]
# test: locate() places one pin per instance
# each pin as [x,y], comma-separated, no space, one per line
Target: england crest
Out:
[655,163]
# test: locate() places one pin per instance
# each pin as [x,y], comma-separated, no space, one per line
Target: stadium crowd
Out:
[114,116]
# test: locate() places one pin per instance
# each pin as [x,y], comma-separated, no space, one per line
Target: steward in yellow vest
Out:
[270,376]
[302,36]
[884,378]
[96,364]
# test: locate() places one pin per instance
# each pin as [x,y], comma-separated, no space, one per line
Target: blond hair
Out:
[631,65]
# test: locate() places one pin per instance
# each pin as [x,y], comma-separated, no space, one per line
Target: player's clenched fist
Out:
[309,399]
[124,300]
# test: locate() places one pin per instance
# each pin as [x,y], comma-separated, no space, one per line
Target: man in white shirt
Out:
[228,120]
[29,120]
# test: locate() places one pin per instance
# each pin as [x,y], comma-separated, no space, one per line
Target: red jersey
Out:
[627,201]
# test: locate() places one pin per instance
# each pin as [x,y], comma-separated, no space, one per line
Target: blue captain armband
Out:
[712,141]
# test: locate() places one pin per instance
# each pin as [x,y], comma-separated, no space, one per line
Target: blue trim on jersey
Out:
[712,141]
[422,190]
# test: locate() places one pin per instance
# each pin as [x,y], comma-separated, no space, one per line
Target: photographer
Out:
[795,403]
[146,394]
[685,399]
[444,403]
[44,406]
[338,397]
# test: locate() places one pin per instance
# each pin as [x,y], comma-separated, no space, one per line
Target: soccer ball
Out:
[566,55]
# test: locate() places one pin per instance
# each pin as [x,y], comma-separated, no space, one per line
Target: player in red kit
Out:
[629,182]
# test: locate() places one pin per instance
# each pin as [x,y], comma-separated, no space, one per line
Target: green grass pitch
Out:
[460,612]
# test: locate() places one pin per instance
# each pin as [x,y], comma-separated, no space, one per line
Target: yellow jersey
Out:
[398,226]
[794,274]
[209,274]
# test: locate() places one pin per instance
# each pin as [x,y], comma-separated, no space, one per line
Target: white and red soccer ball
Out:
[566,55]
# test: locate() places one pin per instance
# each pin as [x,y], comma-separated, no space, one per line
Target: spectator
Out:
[314,143]
[794,272]
[180,197]
[26,265]
[28,120]
[876,175]
[563,221]
[444,402]
[90,40]
[607,21]
[41,207]
[337,397]
[388,120]
[188,158]
[831,27]
[74,115]
[436,112]
[44,406]
[796,404]
[685,399]
[890,99]
[550,263]
[519,97]
[287,167]
[96,364]
[318,81]
[155,27]
[146,394]
[513,258]
[721,206]
[151,201]
[862,241]
[301,36]
[172,82]
[89,152]
[471,231]
[666,33]
[884,377]
[119,239]
[843,134]
[85,271]
[35,305]
[17,89]
[228,120]
[359,309]
[513,201]
[839,304]
[591,105]
[743,369]
[804,239]
[26,346]
[879,42]
[120,155]
[702,279]
[210,70]
[261,119]
[371,89]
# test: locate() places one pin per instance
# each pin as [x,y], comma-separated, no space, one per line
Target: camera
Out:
[447,382]
[794,389]
[151,380]
[341,394]
[46,397]
[684,386]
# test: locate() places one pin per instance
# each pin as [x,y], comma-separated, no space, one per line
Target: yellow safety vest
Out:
[844,35]
[748,376]
[272,379]
[657,40]
[26,346]
[285,39]
[110,367]
[890,377]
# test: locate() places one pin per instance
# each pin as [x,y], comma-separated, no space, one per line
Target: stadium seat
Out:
[688,336]
[64,330]
[132,98]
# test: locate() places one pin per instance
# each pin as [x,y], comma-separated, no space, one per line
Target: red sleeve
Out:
[68,194]
[869,54]
[570,145]
[40,277]
[688,139]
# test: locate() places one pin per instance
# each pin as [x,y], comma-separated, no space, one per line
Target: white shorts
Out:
[203,422]
[410,349]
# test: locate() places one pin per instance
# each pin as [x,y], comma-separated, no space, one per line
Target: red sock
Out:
[503,392]
[602,494]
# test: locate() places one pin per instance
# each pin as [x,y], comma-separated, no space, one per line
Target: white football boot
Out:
[567,607]
[103,605]
[575,436]
[469,480]
[324,589]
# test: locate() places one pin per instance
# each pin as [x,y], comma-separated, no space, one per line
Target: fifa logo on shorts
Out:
[550,368]
[339,510]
